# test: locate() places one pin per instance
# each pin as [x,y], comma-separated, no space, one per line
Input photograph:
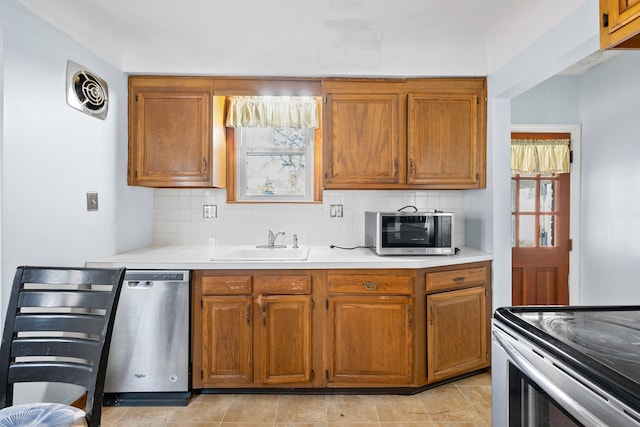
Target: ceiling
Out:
[293,37]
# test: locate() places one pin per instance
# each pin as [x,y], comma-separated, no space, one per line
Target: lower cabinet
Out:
[285,339]
[251,330]
[370,328]
[339,328]
[370,340]
[458,314]
[226,327]
[456,333]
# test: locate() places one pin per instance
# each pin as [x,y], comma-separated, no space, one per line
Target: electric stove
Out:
[584,358]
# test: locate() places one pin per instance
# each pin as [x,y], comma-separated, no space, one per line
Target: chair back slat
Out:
[65,322]
[64,299]
[47,347]
[62,276]
[56,372]
[58,329]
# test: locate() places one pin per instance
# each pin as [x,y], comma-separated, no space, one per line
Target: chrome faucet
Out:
[271,240]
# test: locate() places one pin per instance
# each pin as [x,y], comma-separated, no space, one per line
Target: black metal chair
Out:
[58,329]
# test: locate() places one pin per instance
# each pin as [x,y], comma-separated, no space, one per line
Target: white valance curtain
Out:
[273,111]
[540,156]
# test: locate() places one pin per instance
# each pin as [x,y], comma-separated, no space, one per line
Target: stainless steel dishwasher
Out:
[149,355]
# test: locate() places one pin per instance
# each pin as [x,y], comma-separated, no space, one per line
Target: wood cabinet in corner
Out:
[619,24]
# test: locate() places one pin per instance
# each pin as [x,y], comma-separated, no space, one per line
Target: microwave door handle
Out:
[563,399]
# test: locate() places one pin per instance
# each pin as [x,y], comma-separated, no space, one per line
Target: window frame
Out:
[243,153]
[232,168]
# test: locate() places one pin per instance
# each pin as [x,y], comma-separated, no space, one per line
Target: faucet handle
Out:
[295,241]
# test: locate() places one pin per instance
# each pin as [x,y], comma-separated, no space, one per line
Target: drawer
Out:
[286,285]
[452,279]
[370,283]
[226,285]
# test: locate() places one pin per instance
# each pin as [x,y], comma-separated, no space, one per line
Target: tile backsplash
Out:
[178,216]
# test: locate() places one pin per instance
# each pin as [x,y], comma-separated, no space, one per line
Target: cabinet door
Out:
[174,131]
[370,340]
[620,24]
[285,343]
[362,144]
[226,340]
[456,333]
[443,145]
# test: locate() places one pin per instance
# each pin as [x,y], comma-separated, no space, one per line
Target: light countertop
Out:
[320,257]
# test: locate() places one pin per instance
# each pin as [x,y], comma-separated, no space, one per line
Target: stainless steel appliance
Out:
[149,354]
[566,366]
[410,233]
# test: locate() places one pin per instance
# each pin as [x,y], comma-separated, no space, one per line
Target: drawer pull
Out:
[370,286]
[459,280]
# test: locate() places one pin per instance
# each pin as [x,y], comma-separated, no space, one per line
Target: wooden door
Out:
[540,242]
[285,343]
[362,141]
[456,333]
[226,341]
[171,132]
[370,340]
[443,140]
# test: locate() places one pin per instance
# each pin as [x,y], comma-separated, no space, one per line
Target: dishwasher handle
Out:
[139,284]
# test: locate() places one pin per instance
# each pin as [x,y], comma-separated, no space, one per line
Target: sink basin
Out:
[251,253]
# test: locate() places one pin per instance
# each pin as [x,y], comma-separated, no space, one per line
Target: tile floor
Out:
[463,403]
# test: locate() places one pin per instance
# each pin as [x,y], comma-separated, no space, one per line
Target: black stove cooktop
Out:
[602,343]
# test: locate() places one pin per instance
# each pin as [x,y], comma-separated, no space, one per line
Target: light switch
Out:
[92,201]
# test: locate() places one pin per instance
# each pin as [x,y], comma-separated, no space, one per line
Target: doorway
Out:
[545,219]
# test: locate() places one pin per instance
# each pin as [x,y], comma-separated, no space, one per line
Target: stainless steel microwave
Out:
[410,233]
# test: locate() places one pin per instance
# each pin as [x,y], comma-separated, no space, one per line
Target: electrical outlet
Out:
[92,201]
[335,211]
[210,211]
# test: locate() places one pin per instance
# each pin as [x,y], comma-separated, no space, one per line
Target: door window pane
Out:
[528,235]
[547,196]
[547,230]
[527,195]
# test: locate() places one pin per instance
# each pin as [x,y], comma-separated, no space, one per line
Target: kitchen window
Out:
[274,153]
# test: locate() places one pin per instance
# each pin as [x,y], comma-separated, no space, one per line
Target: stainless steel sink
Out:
[251,253]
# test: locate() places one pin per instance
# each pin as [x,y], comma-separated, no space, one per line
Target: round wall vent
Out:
[86,92]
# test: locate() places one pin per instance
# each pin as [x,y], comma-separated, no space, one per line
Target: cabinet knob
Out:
[412,168]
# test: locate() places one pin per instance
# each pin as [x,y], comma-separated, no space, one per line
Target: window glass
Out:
[527,196]
[547,196]
[275,164]
[547,230]
[527,236]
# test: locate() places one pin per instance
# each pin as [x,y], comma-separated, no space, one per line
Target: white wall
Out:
[605,100]
[610,223]
[570,40]
[178,217]
[553,101]
[52,155]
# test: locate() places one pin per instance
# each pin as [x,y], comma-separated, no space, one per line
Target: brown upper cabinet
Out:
[377,133]
[176,133]
[414,133]
[619,24]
